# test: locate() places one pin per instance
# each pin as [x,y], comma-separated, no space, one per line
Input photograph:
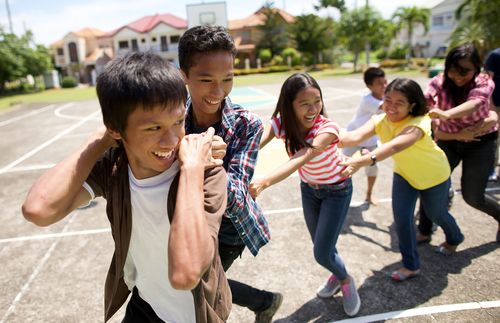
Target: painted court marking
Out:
[25,288]
[47,143]
[29,114]
[423,311]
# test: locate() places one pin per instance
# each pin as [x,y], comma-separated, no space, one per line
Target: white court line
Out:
[47,143]
[14,119]
[423,311]
[97,231]
[35,273]
[29,168]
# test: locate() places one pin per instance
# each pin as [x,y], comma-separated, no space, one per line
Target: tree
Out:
[339,4]
[312,35]
[273,32]
[478,24]
[360,25]
[20,57]
[409,17]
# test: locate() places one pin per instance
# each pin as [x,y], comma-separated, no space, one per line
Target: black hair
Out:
[467,51]
[203,40]
[413,94]
[137,80]
[294,140]
[371,74]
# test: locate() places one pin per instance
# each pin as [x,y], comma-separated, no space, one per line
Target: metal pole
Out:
[8,15]
[367,43]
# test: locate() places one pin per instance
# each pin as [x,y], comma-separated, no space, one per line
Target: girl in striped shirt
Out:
[311,142]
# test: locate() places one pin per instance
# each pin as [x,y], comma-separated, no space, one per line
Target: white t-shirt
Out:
[146,266]
[368,107]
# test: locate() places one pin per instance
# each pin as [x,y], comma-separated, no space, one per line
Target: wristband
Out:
[374,159]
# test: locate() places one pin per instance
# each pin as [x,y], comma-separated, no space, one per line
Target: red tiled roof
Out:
[258,18]
[147,23]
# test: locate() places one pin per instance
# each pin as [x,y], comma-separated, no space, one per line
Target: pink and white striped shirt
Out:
[324,168]
[437,98]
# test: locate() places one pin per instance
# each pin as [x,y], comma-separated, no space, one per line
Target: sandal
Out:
[446,251]
[399,276]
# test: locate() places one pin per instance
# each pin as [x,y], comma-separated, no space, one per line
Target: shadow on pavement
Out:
[380,294]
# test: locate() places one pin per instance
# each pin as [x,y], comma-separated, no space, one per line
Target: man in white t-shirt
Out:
[376,82]
[165,196]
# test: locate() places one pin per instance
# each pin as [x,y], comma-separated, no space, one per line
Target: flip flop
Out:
[443,251]
[399,276]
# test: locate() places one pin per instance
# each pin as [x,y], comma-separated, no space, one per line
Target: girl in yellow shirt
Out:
[420,168]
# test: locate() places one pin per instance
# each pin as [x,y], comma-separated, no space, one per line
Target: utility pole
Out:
[8,15]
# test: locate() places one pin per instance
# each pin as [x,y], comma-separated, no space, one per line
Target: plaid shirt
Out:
[241,131]
[438,98]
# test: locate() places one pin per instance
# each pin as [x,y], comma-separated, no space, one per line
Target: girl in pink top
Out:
[466,128]
[311,142]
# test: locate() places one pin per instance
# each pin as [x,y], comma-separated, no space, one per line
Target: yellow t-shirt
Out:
[423,164]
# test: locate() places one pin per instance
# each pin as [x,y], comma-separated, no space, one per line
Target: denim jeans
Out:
[434,201]
[325,211]
[476,157]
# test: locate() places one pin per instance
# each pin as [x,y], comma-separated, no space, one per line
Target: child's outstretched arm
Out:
[405,139]
[300,158]
[267,136]
[353,138]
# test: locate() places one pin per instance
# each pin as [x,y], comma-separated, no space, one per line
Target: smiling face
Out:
[209,81]
[151,139]
[462,72]
[396,106]
[307,106]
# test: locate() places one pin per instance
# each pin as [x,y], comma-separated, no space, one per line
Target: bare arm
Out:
[190,247]
[470,133]
[267,136]
[459,111]
[59,190]
[399,143]
[353,138]
[300,158]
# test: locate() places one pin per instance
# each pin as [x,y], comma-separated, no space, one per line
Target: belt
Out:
[332,186]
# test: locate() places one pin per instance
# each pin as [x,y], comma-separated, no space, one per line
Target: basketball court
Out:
[56,274]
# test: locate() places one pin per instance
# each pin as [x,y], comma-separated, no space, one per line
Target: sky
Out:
[51,20]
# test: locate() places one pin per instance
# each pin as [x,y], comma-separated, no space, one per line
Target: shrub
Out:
[398,52]
[68,82]
[294,54]
[276,60]
[265,55]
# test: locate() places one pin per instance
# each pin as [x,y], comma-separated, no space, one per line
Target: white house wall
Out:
[145,41]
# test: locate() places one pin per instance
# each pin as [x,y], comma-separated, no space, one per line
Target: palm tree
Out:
[312,35]
[409,17]
[477,23]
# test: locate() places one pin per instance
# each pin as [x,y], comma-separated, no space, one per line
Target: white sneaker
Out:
[330,288]
[350,298]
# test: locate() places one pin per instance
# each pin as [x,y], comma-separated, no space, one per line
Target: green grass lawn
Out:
[88,93]
[49,96]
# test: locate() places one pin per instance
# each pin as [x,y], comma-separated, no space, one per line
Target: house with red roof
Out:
[246,32]
[159,33]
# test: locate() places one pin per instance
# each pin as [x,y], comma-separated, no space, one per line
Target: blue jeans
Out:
[435,202]
[325,210]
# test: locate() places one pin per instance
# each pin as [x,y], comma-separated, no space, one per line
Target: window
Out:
[438,21]
[73,53]
[143,40]
[123,44]
[153,39]
[163,42]
[135,46]
[174,39]
[60,51]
